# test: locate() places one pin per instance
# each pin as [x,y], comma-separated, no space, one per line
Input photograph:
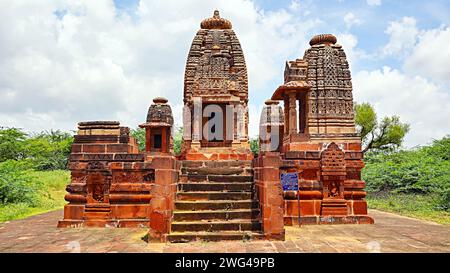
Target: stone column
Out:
[187,122]
[197,120]
[240,122]
[292,113]
[270,194]
[164,144]
[163,197]
[148,140]
[236,124]
[286,115]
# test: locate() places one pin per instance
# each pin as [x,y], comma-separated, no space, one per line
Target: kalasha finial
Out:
[215,22]
[216,14]
[323,39]
[160,100]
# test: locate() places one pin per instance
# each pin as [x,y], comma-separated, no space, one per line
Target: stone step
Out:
[216,205]
[184,237]
[215,164]
[211,226]
[214,195]
[211,186]
[230,178]
[217,170]
[215,178]
[188,215]
[334,203]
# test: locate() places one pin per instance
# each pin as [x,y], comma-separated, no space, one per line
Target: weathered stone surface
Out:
[215,76]
[390,233]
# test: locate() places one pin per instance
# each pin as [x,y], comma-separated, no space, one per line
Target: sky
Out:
[62,62]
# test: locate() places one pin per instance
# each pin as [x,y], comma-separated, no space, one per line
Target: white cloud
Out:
[93,62]
[295,5]
[419,92]
[350,19]
[431,55]
[403,35]
[373,2]
[423,104]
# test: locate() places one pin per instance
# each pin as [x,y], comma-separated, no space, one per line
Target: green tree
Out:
[12,144]
[177,140]
[139,135]
[49,150]
[16,183]
[387,134]
[254,146]
[422,170]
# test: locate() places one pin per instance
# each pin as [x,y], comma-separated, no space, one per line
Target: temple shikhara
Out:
[307,171]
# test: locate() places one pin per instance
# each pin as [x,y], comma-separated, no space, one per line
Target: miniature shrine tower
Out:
[319,141]
[215,116]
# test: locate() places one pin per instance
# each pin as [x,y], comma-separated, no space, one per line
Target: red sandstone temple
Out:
[216,189]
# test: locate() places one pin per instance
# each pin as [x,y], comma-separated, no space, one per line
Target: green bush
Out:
[254,146]
[49,150]
[12,144]
[139,135]
[47,193]
[177,140]
[423,170]
[16,183]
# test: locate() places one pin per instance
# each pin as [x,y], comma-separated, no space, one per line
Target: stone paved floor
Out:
[391,233]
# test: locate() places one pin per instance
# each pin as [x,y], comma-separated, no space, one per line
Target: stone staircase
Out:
[215,201]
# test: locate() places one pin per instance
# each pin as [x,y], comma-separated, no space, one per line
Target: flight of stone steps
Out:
[215,201]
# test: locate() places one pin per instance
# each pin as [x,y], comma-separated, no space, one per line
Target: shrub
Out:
[139,135]
[177,140]
[254,146]
[12,142]
[49,150]
[16,183]
[423,170]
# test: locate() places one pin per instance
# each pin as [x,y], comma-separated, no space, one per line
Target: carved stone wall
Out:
[330,101]
[215,74]
[215,65]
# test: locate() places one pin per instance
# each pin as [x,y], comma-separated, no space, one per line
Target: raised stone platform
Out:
[390,233]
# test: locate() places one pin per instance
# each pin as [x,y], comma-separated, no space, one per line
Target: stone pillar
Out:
[148,140]
[163,196]
[292,113]
[187,122]
[240,122]
[286,115]
[197,120]
[270,194]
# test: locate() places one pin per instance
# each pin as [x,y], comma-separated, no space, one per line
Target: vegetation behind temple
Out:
[32,171]
[413,182]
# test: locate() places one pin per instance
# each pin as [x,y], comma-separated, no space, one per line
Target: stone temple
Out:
[308,169]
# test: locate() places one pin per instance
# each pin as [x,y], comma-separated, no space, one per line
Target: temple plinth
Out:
[215,116]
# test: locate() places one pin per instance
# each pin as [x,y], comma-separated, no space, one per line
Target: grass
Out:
[50,196]
[412,205]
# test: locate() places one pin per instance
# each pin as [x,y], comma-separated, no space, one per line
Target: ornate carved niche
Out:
[133,176]
[98,182]
[333,171]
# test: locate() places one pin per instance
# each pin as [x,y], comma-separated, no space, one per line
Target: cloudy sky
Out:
[67,61]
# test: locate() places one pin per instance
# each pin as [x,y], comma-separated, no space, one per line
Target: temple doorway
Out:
[214,126]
